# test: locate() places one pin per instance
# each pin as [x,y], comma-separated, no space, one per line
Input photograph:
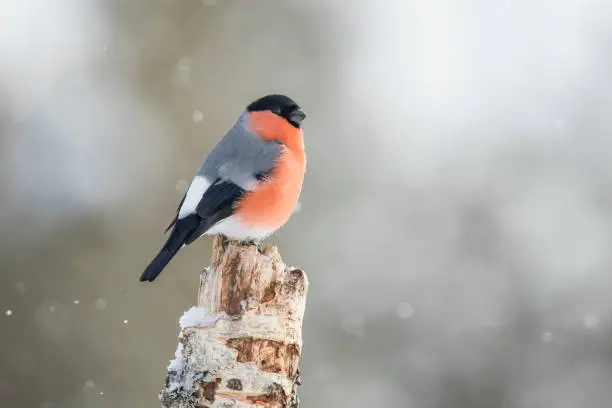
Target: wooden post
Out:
[240,347]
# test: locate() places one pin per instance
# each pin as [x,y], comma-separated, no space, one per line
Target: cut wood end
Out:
[246,272]
[249,356]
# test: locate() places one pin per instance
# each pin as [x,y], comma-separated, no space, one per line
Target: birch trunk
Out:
[240,347]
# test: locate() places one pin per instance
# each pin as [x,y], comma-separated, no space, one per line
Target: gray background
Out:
[457,210]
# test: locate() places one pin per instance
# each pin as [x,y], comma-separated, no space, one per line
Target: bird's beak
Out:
[297,116]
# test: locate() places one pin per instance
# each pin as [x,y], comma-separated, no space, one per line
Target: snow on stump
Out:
[240,347]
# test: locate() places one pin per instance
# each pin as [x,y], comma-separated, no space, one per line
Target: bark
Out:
[241,346]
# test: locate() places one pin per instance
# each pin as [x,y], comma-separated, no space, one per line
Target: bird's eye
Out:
[276,111]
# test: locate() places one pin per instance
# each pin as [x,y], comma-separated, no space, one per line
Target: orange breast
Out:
[269,126]
[270,203]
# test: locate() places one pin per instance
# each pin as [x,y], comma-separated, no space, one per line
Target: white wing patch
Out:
[196,190]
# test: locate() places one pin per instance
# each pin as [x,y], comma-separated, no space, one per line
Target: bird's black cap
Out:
[280,105]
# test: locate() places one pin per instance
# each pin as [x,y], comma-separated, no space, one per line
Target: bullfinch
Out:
[249,183]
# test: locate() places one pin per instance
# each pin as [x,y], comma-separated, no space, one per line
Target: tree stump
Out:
[240,347]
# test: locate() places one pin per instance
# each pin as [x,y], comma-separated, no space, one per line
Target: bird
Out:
[249,183]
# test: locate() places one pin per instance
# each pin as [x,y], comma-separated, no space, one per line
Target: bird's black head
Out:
[280,105]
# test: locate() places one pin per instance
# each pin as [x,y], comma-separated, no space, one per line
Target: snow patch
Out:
[177,363]
[245,303]
[199,317]
[194,317]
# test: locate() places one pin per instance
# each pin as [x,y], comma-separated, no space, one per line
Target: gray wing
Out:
[240,156]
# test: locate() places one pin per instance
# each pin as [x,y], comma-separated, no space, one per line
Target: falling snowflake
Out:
[52,319]
[100,304]
[591,321]
[182,75]
[181,186]
[197,116]
[297,208]
[404,310]
[353,324]
[9,312]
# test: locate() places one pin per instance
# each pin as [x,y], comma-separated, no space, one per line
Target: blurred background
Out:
[456,219]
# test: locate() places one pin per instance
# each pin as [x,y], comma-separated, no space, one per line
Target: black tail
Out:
[181,232]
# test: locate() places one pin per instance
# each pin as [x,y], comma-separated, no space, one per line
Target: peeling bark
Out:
[243,348]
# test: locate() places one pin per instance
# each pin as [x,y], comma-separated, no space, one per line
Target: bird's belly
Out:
[234,228]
